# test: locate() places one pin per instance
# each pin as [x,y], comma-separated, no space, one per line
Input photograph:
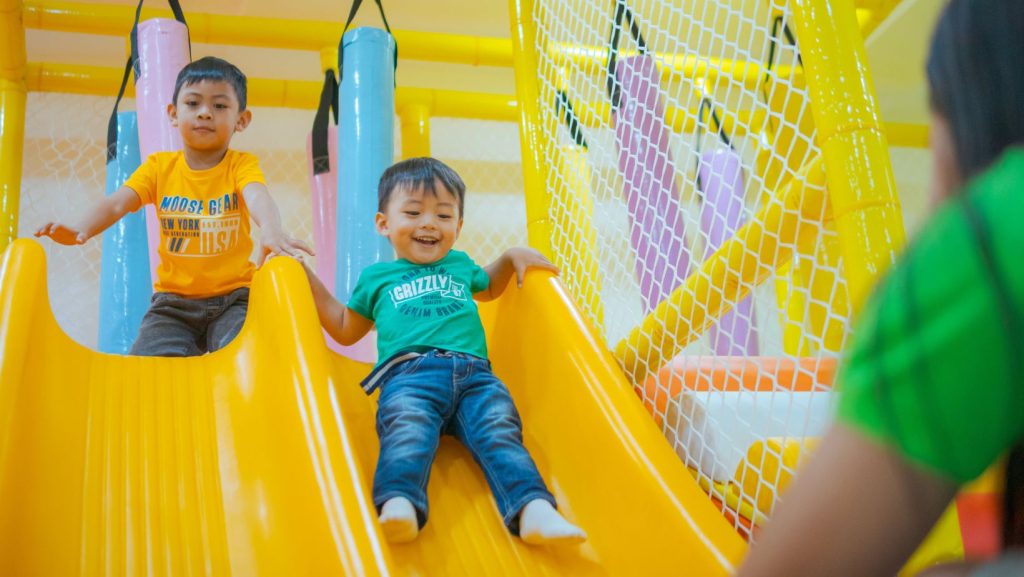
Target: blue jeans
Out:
[446,392]
[177,326]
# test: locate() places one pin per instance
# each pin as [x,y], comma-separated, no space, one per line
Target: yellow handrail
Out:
[415,123]
[13,93]
[532,136]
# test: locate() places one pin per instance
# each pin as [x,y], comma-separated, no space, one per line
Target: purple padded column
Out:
[721,215]
[657,234]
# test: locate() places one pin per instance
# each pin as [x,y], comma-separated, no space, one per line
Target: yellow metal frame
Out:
[304,94]
[727,276]
[415,126]
[593,60]
[13,94]
[862,187]
[264,32]
[569,204]
[532,142]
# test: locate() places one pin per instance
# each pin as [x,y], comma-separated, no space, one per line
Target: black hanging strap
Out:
[777,23]
[790,39]
[622,14]
[112,123]
[133,64]
[328,104]
[706,104]
[563,107]
[341,41]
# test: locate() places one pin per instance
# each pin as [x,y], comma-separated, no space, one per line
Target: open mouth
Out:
[426,241]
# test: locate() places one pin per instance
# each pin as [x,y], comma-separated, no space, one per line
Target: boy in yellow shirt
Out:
[204,196]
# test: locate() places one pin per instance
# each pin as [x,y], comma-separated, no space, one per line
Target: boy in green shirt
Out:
[434,374]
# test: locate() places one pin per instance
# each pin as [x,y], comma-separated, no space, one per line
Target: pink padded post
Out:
[163,52]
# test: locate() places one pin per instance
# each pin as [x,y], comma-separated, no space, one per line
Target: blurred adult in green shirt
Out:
[933,385]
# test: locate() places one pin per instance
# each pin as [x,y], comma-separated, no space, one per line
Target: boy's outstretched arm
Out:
[103,214]
[343,324]
[273,240]
[514,260]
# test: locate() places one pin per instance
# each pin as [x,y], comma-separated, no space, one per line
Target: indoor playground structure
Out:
[712,177]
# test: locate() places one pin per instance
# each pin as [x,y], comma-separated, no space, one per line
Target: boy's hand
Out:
[62,234]
[278,243]
[522,259]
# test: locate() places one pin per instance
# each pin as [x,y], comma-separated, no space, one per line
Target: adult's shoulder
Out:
[996,199]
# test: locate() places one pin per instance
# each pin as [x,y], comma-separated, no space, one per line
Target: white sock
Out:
[398,519]
[541,524]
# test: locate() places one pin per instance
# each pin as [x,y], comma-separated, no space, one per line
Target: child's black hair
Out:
[420,174]
[212,69]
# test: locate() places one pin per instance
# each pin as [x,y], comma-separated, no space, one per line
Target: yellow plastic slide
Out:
[258,459]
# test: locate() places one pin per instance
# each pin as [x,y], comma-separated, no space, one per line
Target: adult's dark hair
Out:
[975,79]
[212,69]
[420,174]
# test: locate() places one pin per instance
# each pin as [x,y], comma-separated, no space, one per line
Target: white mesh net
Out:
[711,131]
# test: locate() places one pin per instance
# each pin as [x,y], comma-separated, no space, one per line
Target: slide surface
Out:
[258,459]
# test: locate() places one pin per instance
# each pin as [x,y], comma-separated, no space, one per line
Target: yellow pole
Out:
[811,294]
[871,13]
[860,179]
[304,94]
[791,297]
[103,81]
[13,94]
[789,221]
[592,60]
[415,120]
[264,32]
[909,135]
[532,140]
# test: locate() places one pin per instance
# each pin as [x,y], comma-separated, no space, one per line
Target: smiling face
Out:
[207,115]
[422,226]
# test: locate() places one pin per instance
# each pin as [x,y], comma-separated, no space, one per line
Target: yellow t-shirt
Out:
[204,224]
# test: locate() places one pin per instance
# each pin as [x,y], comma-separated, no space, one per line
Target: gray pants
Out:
[177,326]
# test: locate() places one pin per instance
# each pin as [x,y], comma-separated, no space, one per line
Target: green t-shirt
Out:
[935,365]
[417,307]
